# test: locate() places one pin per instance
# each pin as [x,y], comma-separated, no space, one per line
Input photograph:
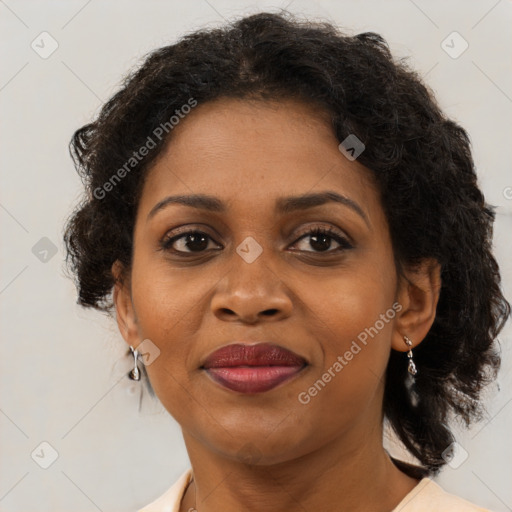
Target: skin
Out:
[269,451]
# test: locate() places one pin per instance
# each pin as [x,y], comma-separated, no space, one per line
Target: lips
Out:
[252,368]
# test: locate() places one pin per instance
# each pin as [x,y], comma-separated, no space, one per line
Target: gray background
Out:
[61,369]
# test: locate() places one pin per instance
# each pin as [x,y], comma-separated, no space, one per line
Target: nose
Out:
[251,293]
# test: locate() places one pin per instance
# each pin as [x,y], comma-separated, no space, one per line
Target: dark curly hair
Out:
[421,162]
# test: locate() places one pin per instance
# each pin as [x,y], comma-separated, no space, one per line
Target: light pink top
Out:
[427,496]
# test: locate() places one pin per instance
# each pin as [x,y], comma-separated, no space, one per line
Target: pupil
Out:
[195,239]
[318,246]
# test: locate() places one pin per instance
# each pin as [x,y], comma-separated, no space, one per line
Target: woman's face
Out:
[253,274]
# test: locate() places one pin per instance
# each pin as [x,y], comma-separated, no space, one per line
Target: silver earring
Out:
[411,366]
[135,373]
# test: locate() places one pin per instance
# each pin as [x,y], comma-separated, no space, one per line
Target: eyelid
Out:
[187,228]
[324,227]
[190,228]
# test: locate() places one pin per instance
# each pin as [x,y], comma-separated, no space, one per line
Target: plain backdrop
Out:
[62,367]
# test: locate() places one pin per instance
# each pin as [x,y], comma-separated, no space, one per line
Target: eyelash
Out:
[167,242]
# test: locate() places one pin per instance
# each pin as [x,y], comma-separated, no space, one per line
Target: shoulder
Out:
[428,496]
[170,501]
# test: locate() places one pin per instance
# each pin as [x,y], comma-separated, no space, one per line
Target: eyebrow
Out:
[283,205]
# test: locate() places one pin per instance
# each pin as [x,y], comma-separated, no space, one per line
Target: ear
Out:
[418,293]
[125,313]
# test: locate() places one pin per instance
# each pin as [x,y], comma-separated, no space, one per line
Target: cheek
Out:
[170,308]
[350,301]
[169,301]
[352,317]
[344,391]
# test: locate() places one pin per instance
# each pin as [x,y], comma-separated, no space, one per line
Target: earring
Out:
[135,373]
[411,367]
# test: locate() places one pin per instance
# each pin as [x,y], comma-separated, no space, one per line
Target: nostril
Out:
[269,312]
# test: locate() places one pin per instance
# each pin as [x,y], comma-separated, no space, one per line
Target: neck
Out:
[332,478]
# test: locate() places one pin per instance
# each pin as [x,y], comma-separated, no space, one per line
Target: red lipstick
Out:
[252,368]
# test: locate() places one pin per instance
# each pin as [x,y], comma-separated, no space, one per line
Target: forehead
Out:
[248,153]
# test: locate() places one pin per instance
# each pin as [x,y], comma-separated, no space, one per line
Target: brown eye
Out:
[189,242]
[320,240]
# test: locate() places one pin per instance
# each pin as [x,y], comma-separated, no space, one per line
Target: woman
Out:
[291,235]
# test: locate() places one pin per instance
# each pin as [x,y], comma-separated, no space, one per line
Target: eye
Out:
[321,240]
[192,241]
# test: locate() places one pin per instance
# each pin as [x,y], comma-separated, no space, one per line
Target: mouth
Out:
[252,368]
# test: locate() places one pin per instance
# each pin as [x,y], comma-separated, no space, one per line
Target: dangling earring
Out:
[411,366]
[135,373]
